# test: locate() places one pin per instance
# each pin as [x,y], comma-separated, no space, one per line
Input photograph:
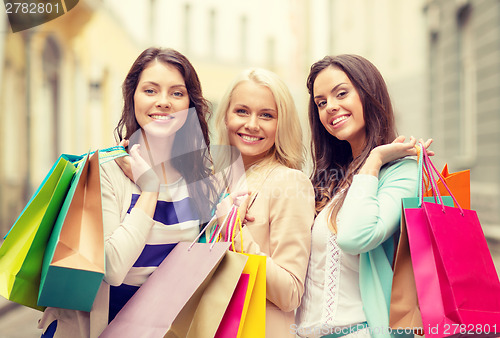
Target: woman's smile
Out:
[250,139]
[338,121]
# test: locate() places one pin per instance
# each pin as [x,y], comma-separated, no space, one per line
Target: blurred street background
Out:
[60,82]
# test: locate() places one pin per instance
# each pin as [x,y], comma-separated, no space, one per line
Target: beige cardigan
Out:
[282,203]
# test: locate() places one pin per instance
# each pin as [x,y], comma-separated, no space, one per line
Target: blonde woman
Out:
[257,116]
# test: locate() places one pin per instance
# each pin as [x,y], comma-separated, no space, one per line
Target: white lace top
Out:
[332,296]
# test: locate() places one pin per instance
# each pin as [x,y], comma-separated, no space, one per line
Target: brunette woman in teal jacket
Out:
[361,173]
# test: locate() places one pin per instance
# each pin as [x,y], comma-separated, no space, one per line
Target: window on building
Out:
[187,28]
[212,32]
[153,10]
[435,117]
[271,52]
[95,112]
[51,92]
[467,85]
[243,39]
[330,14]
[13,128]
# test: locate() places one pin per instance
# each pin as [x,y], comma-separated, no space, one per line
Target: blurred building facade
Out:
[389,33]
[60,93]
[463,114]
[60,82]
[85,65]
[222,37]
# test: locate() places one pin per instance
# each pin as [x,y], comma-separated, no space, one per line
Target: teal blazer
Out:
[368,225]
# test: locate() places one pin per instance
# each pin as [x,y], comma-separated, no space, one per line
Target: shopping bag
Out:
[404,309]
[457,285]
[22,252]
[226,290]
[105,155]
[253,316]
[218,296]
[73,265]
[173,289]
[230,323]
[458,183]
[221,305]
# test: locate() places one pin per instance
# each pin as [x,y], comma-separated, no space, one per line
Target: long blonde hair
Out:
[288,148]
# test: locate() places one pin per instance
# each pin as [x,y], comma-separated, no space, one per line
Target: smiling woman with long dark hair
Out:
[154,198]
[360,175]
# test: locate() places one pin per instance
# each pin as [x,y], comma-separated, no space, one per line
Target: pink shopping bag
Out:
[253,316]
[230,323]
[217,298]
[457,284]
[170,293]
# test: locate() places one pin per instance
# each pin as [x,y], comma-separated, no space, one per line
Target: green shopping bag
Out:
[73,266]
[22,252]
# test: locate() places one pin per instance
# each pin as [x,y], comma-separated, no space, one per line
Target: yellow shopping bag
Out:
[253,318]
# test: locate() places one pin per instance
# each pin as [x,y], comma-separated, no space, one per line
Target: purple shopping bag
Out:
[457,284]
[170,293]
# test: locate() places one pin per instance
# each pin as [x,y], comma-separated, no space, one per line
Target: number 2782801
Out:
[31,8]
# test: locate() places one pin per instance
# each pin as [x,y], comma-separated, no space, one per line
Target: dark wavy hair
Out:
[334,165]
[194,166]
[128,123]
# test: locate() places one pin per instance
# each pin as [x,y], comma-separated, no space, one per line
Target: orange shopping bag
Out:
[458,183]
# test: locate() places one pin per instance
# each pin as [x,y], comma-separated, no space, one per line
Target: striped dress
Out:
[175,221]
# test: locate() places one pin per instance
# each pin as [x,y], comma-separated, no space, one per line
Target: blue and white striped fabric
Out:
[175,221]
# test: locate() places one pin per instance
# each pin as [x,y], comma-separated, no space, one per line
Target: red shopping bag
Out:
[457,284]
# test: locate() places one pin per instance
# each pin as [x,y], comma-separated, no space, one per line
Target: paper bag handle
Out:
[236,221]
[428,170]
[431,168]
[422,169]
[212,221]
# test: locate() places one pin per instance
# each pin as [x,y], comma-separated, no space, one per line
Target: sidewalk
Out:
[17,321]
[6,306]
